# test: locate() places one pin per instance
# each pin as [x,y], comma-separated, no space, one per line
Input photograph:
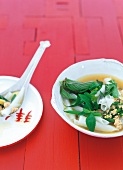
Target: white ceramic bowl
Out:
[78,70]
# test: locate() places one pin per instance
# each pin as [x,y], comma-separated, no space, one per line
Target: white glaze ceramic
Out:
[12,131]
[78,70]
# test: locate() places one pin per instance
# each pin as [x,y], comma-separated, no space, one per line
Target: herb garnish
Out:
[83,94]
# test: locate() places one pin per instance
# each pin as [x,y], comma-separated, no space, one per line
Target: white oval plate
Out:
[11,130]
[78,70]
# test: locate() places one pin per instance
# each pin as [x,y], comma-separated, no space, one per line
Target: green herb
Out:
[13,97]
[82,94]
[91,122]
[79,87]
[85,98]
[95,113]
[96,85]
[2,97]
[111,89]
[77,102]
[115,103]
[110,120]
[84,112]
[65,94]
[73,112]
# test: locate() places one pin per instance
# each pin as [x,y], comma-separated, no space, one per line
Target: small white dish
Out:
[78,70]
[11,130]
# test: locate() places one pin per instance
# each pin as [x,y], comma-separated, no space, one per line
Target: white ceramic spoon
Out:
[22,84]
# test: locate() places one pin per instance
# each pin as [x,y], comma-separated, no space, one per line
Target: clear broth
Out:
[101,77]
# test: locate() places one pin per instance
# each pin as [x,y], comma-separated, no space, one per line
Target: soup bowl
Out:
[81,69]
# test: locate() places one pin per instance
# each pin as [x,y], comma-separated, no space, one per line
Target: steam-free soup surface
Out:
[104,111]
[101,77]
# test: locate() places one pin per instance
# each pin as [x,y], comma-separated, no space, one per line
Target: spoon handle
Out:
[27,75]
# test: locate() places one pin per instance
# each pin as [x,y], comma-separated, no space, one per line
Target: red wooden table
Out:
[77,30]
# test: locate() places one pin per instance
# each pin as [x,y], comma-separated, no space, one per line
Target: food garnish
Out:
[95,105]
[10,102]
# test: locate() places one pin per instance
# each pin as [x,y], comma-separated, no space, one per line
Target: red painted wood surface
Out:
[77,30]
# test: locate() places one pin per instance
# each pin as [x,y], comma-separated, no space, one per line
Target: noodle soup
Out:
[94,102]
[88,116]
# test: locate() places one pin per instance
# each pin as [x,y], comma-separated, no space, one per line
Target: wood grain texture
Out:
[78,30]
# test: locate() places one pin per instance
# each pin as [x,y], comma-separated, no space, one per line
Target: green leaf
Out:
[95,113]
[111,89]
[87,101]
[76,102]
[110,120]
[115,92]
[84,112]
[67,95]
[116,103]
[91,122]
[13,97]
[2,97]
[73,112]
[83,100]
[96,85]
[75,86]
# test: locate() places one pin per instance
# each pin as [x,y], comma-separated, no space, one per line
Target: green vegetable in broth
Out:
[96,100]
[91,122]
[79,87]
